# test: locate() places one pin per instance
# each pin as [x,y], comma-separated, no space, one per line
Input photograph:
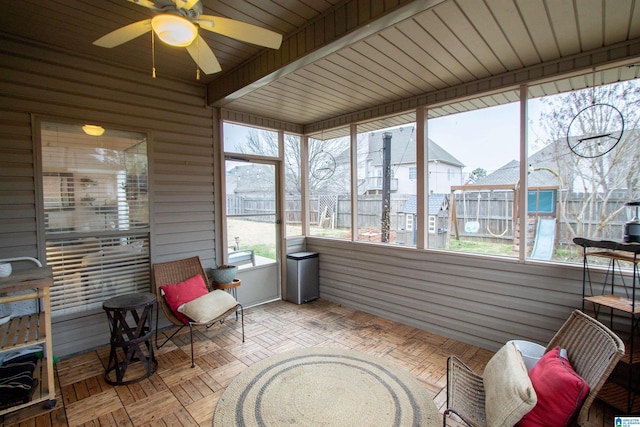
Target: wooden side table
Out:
[229,287]
[130,323]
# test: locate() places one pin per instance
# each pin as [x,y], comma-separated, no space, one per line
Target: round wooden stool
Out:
[130,323]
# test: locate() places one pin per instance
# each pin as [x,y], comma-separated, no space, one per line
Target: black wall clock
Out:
[595,130]
[324,166]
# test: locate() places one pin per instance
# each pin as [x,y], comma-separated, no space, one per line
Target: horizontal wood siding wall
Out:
[296,244]
[59,85]
[477,300]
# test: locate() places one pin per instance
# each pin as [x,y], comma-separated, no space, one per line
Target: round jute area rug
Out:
[325,387]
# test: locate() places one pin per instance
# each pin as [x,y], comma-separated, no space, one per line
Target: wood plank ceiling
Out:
[344,60]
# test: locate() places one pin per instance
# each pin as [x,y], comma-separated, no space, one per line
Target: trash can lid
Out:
[302,255]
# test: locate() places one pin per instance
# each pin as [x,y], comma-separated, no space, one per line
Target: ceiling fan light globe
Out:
[174,30]
[93,130]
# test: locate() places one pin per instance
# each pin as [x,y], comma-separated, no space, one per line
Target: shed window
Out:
[432,224]
[409,222]
[541,201]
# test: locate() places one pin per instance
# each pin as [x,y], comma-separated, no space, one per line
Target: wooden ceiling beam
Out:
[346,23]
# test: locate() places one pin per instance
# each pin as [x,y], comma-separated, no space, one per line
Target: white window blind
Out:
[89,270]
[96,206]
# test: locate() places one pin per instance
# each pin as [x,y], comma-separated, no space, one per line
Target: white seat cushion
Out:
[509,394]
[209,306]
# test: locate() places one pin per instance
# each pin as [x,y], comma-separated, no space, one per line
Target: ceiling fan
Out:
[177,25]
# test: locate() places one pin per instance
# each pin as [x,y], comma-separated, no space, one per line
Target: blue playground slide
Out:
[545,239]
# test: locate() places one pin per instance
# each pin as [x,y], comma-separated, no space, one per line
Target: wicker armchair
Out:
[175,272]
[593,349]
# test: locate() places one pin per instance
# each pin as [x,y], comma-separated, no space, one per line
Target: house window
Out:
[96,214]
[413,172]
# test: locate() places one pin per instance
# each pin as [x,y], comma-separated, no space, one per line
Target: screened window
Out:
[473,161]
[386,196]
[577,146]
[293,185]
[96,214]
[330,187]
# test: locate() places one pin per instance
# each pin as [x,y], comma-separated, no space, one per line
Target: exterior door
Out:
[253,227]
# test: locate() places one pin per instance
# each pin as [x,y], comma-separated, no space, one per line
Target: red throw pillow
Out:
[183,292]
[560,390]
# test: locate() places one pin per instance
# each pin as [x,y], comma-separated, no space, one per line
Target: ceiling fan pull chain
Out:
[153,55]
[197,67]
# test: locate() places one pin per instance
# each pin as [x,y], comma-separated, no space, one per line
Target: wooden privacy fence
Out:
[489,214]
[335,209]
[486,215]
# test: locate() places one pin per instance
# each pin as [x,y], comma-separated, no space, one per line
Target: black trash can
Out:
[302,277]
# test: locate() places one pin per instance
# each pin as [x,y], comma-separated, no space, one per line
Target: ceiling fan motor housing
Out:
[173,6]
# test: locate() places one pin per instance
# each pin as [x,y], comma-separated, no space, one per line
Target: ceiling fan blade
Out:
[240,31]
[124,34]
[146,3]
[202,54]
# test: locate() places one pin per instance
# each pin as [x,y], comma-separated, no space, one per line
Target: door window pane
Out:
[251,213]
[249,140]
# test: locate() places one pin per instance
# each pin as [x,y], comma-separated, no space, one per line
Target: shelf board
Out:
[28,278]
[617,396]
[615,302]
[609,245]
[619,256]
[22,331]
[626,359]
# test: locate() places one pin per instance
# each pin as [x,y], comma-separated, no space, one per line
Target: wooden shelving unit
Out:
[618,296]
[31,329]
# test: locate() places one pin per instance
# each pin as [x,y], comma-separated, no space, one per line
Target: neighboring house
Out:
[249,179]
[543,171]
[444,169]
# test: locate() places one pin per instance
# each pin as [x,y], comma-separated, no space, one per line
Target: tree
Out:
[595,186]
[478,173]
[328,161]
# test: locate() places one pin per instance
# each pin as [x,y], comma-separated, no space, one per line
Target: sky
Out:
[486,138]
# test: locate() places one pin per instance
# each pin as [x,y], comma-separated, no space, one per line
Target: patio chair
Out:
[593,351]
[177,272]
